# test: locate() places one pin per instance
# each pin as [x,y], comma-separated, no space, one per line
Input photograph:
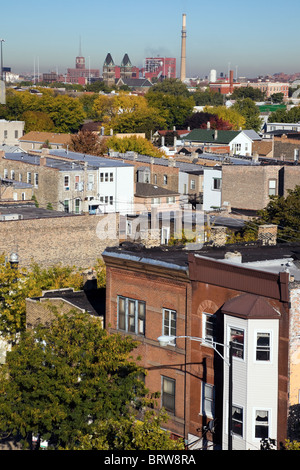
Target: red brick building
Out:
[216,297]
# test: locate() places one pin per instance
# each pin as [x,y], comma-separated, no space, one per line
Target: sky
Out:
[252,38]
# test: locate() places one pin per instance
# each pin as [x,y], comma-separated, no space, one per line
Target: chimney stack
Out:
[183,49]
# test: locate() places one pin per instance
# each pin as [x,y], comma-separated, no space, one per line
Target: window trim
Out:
[171,396]
[138,319]
[203,411]
[238,328]
[256,333]
[238,435]
[168,329]
[214,179]
[269,413]
[205,316]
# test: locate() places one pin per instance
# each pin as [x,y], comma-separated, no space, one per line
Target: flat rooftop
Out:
[274,259]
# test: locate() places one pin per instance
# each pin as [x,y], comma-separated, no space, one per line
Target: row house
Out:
[249,187]
[219,340]
[71,182]
[11,132]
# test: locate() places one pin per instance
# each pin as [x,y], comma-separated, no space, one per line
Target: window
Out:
[111,200]
[237,420]
[16,134]
[20,177]
[36,179]
[165,179]
[209,327]
[155,201]
[67,182]
[5,173]
[216,184]
[272,187]
[237,338]
[77,182]
[168,394]
[12,174]
[5,134]
[171,199]
[155,179]
[193,184]
[29,177]
[208,400]
[101,177]
[263,347]
[261,424]
[111,177]
[106,177]
[77,206]
[66,205]
[131,315]
[169,323]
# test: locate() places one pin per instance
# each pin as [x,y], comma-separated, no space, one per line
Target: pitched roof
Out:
[108,61]
[42,137]
[151,190]
[126,61]
[211,136]
[249,306]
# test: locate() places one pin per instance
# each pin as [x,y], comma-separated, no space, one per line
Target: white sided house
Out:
[242,143]
[254,332]
[112,182]
[212,188]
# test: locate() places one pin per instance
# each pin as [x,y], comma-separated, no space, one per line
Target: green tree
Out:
[132,434]
[18,284]
[248,92]
[248,109]
[170,86]
[173,108]
[285,213]
[208,98]
[277,97]
[281,115]
[59,381]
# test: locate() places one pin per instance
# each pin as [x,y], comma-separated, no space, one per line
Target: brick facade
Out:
[248,187]
[72,240]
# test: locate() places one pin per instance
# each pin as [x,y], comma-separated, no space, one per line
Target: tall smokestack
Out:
[183,49]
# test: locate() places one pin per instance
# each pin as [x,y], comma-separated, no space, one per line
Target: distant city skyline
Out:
[250,38]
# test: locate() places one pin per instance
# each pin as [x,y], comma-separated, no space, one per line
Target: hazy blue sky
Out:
[257,37]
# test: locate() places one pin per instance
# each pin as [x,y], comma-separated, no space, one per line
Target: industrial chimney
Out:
[183,49]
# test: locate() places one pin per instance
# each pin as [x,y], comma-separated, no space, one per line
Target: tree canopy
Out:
[247,92]
[250,112]
[58,381]
[18,284]
[134,144]
[282,115]
[77,387]
[200,120]
[285,213]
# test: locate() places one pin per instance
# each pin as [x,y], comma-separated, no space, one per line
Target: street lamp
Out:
[2,40]
[166,340]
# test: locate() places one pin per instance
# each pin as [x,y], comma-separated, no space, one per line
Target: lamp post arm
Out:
[212,344]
